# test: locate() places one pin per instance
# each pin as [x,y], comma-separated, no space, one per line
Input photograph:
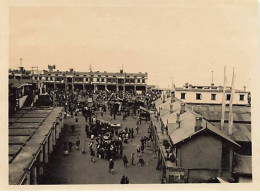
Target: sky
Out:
[180,43]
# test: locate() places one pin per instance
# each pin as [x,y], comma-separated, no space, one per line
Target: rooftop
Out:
[27,130]
[187,127]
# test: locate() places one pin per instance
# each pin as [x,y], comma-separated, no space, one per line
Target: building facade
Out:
[72,80]
[210,94]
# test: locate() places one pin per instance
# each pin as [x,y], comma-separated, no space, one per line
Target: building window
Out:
[97,79]
[241,97]
[213,96]
[102,79]
[143,81]
[228,97]
[198,96]
[138,80]
[183,95]
[87,79]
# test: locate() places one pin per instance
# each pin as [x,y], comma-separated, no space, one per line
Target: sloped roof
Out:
[213,112]
[171,117]
[19,85]
[241,132]
[187,127]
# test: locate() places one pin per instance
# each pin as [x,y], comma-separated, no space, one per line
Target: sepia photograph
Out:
[145,93]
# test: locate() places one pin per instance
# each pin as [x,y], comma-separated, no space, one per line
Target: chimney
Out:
[182,108]
[244,88]
[178,120]
[121,71]
[21,69]
[172,97]
[198,122]
[71,70]
[51,68]
[190,87]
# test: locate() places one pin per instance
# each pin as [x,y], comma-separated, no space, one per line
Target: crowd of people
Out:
[107,140]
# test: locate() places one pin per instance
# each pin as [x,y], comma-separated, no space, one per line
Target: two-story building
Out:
[210,94]
[71,80]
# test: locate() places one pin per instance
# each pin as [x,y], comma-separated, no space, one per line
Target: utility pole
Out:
[212,81]
[36,85]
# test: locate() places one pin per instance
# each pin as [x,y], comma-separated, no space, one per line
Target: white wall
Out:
[190,97]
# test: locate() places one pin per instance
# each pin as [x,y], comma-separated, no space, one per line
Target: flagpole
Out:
[231,115]
[223,101]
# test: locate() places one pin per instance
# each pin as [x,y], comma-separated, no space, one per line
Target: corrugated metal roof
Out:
[241,131]
[187,127]
[213,112]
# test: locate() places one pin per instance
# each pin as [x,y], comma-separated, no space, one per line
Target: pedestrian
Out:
[122,181]
[87,130]
[70,145]
[125,161]
[84,148]
[126,180]
[76,120]
[77,143]
[90,145]
[132,133]
[65,149]
[92,154]
[142,148]
[138,149]
[136,129]
[132,158]
[111,165]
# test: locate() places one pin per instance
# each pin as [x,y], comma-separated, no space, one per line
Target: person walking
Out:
[76,120]
[132,158]
[92,154]
[138,149]
[70,145]
[77,143]
[142,148]
[111,165]
[84,147]
[125,161]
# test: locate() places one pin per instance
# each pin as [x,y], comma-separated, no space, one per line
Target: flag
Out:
[231,115]
[223,101]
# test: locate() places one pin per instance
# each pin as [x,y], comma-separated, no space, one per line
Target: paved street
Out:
[76,168]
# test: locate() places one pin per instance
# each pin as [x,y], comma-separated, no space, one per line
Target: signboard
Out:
[176,175]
